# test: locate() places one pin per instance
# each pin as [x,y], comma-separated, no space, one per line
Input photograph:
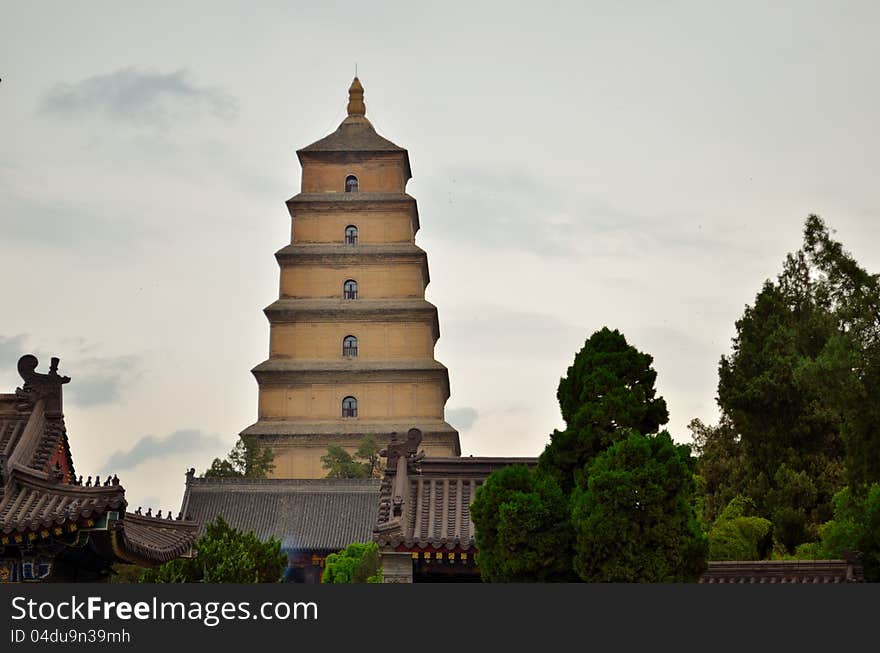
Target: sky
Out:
[638,165]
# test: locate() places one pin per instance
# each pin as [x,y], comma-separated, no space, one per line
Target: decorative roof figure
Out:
[40,386]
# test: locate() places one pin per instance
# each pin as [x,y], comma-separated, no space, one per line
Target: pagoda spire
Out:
[356,106]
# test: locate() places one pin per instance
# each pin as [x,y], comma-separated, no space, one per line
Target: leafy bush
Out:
[523,527]
[634,520]
[739,535]
[224,555]
[855,527]
[356,563]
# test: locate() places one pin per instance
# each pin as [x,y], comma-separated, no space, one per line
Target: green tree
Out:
[246,460]
[851,362]
[796,391]
[793,502]
[224,555]
[738,534]
[855,528]
[633,514]
[548,524]
[356,563]
[608,390]
[720,467]
[368,453]
[768,386]
[523,529]
[365,463]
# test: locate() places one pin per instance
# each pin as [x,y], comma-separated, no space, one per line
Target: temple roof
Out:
[307,515]
[148,540]
[425,502]
[784,571]
[40,495]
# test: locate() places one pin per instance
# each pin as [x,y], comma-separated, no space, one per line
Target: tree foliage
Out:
[738,534]
[523,530]
[356,563]
[365,463]
[565,519]
[246,460]
[224,555]
[855,529]
[633,517]
[608,390]
[721,472]
[797,393]
[852,362]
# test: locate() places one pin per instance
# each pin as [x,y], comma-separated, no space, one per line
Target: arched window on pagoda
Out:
[350,347]
[349,407]
[351,235]
[351,184]
[350,289]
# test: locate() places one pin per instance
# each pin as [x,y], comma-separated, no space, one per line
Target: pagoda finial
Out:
[356,106]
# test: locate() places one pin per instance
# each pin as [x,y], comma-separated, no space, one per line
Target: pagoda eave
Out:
[283,372]
[360,202]
[338,255]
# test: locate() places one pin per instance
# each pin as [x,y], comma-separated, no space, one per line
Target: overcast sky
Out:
[640,165]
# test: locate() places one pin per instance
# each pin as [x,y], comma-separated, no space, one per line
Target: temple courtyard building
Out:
[53,526]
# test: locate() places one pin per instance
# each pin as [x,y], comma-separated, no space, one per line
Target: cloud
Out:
[514,210]
[97,381]
[41,222]
[139,97]
[462,418]
[151,447]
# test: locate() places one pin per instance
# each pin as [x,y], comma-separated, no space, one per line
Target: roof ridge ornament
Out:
[356,106]
[402,455]
[40,386]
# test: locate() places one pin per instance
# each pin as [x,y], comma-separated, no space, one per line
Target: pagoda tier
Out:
[381,217]
[351,352]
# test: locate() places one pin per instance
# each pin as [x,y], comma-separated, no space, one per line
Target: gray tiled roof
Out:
[784,571]
[435,508]
[305,514]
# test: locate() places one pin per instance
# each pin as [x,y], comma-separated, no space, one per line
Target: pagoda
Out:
[351,351]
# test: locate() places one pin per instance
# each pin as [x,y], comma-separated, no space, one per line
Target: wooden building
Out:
[54,527]
[351,350]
